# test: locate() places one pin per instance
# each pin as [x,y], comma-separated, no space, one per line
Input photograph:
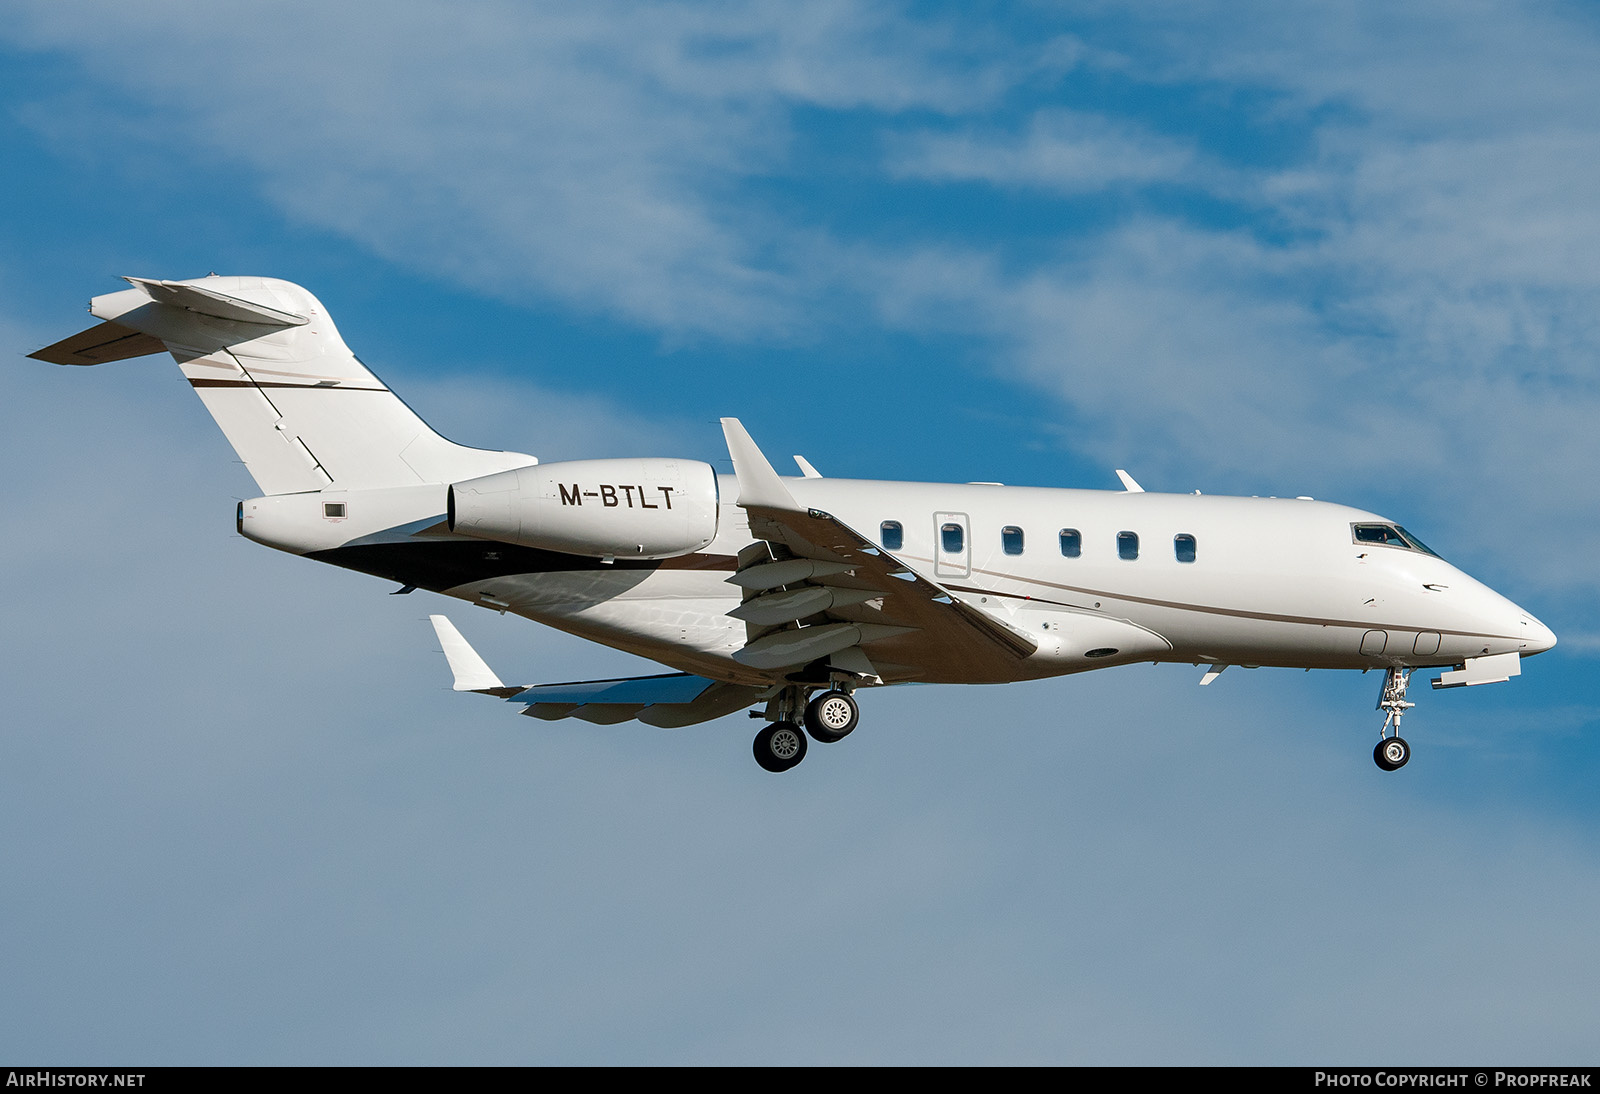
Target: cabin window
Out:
[891,535]
[1071,543]
[952,538]
[1128,545]
[1011,539]
[1183,547]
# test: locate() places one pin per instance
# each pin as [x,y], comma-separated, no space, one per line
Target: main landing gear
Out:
[780,746]
[831,716]
[1392,751]
[828,718]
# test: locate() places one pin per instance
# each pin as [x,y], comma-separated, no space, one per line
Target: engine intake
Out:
[647,508]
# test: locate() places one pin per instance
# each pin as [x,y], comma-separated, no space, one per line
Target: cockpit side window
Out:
[1389,535]
[1417,544]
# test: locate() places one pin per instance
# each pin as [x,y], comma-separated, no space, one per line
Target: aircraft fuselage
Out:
[1217,580]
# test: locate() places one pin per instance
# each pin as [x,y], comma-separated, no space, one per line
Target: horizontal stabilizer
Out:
[181,294]
[100,343]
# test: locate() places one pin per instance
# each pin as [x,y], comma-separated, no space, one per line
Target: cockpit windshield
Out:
[1390,535]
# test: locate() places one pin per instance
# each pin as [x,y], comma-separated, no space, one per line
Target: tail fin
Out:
[297,406]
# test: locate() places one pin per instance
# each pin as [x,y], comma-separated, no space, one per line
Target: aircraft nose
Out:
[1536,637]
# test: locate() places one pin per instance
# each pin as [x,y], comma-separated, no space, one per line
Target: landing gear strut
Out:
[1392,751]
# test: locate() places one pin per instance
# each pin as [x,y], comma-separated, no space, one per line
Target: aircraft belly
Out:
[1225,640]
[1312,643]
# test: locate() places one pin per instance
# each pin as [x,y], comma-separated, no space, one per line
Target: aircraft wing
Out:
[667,701]
[826,591]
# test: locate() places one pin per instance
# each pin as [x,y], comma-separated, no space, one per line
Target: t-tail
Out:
[302,412]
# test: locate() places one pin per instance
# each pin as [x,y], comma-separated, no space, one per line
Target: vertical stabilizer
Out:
[297,406]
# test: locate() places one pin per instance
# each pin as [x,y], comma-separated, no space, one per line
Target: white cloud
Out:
[1064,151]
[1411,307]
[592,156]
[1179,356]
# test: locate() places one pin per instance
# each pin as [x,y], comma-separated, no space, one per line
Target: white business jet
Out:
[790,594]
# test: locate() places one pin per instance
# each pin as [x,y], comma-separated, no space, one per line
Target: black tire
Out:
[831,716]
[1392,753]
[780,746]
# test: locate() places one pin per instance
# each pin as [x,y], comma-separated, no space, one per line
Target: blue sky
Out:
[1332,249]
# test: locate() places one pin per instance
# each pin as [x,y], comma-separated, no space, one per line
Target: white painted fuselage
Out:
[1279,582]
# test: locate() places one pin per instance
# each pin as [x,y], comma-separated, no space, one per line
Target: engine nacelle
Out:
[649,508]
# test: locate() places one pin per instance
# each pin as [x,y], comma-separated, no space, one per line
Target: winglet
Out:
[1127,482]
[806,469]
[471,672]
[759,484]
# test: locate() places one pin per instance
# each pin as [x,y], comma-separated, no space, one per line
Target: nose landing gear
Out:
[1392,751]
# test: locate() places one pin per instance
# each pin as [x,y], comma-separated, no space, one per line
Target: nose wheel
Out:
[1392,751]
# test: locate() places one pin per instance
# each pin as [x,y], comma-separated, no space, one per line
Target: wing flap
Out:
[910,599]
[907,620]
